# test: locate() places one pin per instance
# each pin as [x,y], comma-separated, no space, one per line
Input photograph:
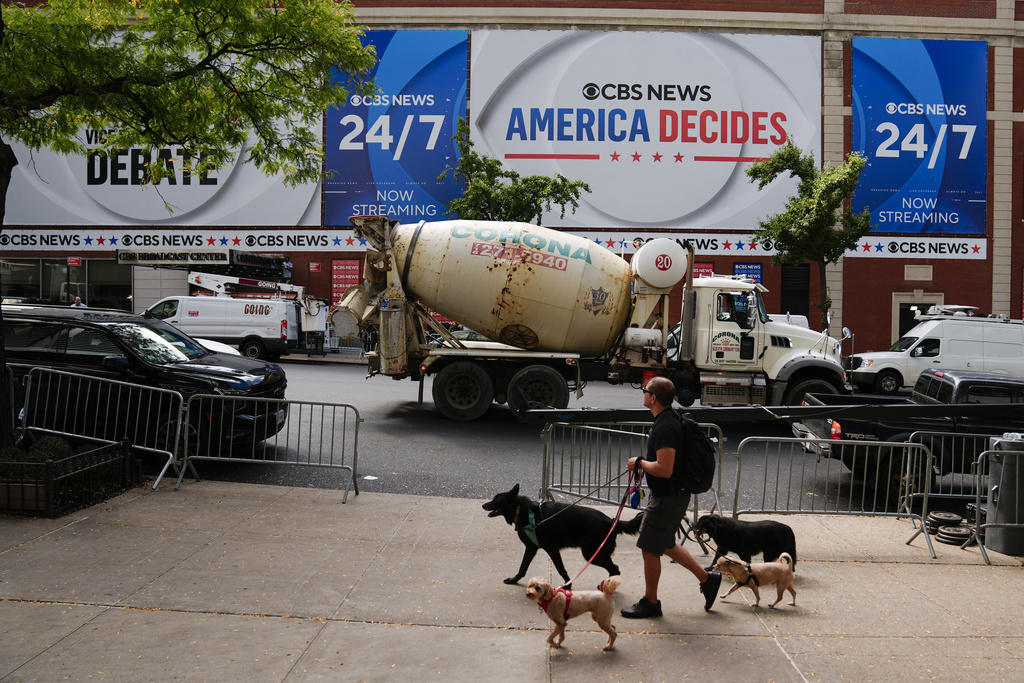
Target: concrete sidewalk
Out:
[230,582]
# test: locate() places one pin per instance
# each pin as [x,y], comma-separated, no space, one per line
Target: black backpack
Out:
[698,471]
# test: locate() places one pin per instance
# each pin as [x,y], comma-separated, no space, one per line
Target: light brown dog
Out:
[563,605]
[754,574]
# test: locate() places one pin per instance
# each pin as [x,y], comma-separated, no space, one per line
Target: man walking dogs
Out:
[666,450]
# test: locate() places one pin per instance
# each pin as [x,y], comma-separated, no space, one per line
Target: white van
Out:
[950,341]
[259,328]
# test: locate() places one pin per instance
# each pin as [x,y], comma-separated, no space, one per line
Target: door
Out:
[734,330]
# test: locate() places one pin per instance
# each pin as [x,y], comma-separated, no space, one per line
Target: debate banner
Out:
[919,112]
[661,125]
[385,153]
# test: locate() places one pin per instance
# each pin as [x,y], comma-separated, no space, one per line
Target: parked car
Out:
[120,346]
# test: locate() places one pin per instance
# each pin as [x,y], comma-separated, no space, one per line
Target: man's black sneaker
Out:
[643,609]
[710,589]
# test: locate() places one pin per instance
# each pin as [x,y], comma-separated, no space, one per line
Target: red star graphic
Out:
[350,241]
[727,245]
[867,247]
[753,246]
[236,241]
[211,241]
[615,156]
[609,243]
[976,249]
[101,240]
[636,156]
[679,157]
[657,156]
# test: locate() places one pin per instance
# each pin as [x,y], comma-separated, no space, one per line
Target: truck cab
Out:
[742,356]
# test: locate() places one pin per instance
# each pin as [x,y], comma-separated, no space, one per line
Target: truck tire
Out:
[888,382]
[893,475]
[253,348]
[463,391]
[795,394]
[538,385]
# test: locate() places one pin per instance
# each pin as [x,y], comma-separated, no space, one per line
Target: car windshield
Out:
[903,343]
[157,342]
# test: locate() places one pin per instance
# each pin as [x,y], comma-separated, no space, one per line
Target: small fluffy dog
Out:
[747,538]
[563,605]
[752,575]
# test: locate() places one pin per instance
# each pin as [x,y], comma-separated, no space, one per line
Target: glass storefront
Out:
[101,283]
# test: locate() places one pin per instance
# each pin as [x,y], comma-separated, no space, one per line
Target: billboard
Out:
[919,111]
[385,153]
[662,126]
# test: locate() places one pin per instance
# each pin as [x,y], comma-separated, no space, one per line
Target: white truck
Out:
[566,311]
[262,318]
[947,337]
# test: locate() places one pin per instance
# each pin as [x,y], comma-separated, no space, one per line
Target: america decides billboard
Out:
[661,125]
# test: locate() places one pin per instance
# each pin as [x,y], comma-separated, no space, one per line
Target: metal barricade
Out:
[884,478]
[100,410]
[955,454]
[587,461]
[272,431]
[999,508]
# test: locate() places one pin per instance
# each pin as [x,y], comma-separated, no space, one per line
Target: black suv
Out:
[129,348]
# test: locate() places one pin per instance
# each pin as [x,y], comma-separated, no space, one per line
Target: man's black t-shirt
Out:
[666,432]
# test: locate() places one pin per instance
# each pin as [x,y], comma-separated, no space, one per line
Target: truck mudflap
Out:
[732,389]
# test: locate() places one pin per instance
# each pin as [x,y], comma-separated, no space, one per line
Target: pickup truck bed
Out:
[958,402]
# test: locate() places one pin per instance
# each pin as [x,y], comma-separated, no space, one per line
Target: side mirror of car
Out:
[116,364]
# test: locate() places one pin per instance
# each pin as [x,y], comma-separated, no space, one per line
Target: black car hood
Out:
[237,368]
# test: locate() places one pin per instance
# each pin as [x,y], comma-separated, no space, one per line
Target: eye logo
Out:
[591,91]
[890,108]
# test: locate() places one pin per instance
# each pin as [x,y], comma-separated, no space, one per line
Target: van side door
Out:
[1004,348]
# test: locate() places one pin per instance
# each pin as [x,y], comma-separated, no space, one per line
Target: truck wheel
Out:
[795,394]
[253,348]
[888,382]
[538,385]
[463,391]
[893,478]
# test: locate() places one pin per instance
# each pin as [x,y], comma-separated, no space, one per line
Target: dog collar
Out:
[568,597]
[530,529]
[750,576]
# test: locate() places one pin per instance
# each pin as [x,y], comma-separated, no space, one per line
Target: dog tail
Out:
[784,557]
[632,527]
[610,585]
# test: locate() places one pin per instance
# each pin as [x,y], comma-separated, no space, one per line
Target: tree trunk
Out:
[826,302]
[7,163]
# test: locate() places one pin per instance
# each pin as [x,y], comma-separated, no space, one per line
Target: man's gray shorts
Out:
[661,521]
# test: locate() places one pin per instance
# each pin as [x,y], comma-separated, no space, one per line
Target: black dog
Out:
[553,526]
[747,538]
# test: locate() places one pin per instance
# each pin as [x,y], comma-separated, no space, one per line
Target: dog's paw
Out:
[512,580]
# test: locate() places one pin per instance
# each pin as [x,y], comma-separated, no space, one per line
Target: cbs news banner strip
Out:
[206,246]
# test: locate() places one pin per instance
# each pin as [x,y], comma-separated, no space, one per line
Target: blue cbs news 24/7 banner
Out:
[919,118]
[387,151]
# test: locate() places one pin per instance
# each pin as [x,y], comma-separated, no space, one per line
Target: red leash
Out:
[631,487]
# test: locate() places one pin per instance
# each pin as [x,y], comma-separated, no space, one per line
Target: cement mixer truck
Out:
[564,311]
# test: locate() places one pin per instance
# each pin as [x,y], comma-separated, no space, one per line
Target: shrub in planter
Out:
[52,478]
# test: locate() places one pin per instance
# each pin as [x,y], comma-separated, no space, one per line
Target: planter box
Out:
[57,487]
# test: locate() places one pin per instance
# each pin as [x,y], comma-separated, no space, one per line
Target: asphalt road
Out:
[407,447]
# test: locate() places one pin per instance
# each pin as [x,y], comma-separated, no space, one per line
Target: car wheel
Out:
[463,391]
[537,385]
[888,382]
[795,394]
[253,348]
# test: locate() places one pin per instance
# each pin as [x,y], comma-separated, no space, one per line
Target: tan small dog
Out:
[752,575]
[563,605]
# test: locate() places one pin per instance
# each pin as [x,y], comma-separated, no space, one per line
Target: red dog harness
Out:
[568,596]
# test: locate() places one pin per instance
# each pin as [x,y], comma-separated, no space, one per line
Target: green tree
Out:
[494,193]
[205,76]
[814,227]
